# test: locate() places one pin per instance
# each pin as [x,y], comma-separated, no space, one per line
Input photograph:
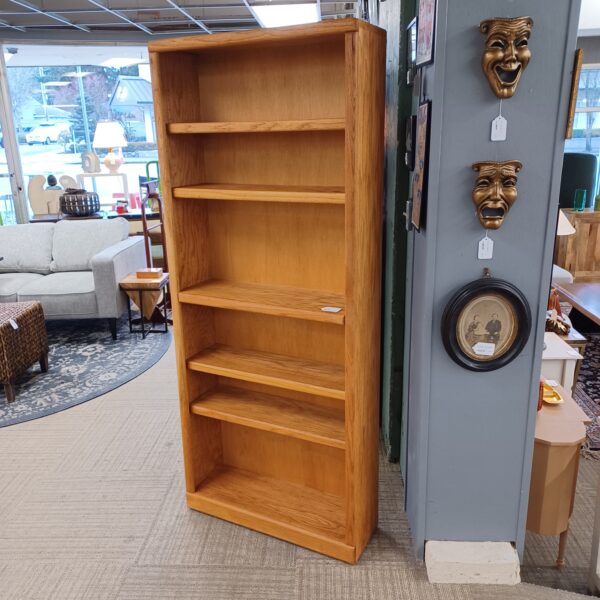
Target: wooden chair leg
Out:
[44,362]
[562,546]
[9,390]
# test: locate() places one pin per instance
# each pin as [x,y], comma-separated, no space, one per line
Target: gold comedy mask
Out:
[506,53]
[495,190]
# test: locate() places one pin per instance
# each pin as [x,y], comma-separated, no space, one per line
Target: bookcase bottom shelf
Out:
[291,512]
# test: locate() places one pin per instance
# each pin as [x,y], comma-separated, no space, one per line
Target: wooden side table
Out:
[559,433]
[145,293]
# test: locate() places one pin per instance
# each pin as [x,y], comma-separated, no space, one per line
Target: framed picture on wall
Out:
[425,32]
[421,158]
[486,324]
[411,51]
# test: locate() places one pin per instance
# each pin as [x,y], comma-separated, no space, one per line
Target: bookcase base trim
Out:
[277,529]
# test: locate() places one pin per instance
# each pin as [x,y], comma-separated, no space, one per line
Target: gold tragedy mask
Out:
[495,190]
[506,53]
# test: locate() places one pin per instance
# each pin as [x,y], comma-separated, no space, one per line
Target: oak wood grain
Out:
[287,511]
[269,300]
[256,126]
[261,37]
[262,193]
[274,413]
[307,376]
[365,88]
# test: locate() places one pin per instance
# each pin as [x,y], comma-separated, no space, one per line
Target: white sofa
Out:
[72,267]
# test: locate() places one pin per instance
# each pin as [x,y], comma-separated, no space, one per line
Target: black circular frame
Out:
[458,302]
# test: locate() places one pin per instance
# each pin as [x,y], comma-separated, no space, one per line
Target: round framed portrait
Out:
[486,324]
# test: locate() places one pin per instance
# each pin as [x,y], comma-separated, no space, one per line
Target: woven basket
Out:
[79,203]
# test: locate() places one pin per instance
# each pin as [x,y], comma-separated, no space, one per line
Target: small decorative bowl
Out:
[79,203]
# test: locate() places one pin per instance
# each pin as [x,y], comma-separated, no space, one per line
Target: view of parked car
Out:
[47,133]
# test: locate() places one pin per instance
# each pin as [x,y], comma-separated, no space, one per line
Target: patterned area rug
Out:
[84,362]
[587,390]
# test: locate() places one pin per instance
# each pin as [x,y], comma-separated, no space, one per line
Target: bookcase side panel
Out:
[365,80]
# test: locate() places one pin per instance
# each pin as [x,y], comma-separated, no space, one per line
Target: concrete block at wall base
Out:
[472,562]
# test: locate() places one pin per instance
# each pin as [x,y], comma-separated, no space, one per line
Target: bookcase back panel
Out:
[283,393]
[297,245]
[283,158]
[175,88]
[187,232]
[289,459]
[203,448]
[184,160]
[199,329]
[291,337]
[301,81]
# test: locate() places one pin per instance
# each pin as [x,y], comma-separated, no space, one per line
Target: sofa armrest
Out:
[109,267]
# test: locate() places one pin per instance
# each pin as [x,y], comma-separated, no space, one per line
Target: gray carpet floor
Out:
[93,509]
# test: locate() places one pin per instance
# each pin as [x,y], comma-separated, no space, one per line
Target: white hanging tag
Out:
[499,127]
[486,248]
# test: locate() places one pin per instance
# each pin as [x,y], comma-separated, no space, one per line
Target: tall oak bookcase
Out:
[271,154]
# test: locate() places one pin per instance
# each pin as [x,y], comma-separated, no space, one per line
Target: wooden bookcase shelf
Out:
[268,299]
[297,513]
[262,193]
[257,126]
[266,227]
[304,421]
[287,372]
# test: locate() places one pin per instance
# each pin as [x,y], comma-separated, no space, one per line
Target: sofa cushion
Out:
[69,294]
[11,283]
[26,248]
[76,242]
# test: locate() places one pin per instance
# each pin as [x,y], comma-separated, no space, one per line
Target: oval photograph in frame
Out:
[486,324]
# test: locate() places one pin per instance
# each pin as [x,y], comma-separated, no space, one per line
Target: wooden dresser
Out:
[580,253]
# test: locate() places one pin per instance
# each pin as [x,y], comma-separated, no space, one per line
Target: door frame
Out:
[11,146]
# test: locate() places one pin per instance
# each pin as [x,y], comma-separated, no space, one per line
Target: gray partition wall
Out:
[470,435]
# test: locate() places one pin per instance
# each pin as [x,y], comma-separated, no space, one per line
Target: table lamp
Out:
[564,226]
[110,134]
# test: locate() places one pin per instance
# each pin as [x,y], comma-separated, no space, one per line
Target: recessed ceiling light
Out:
[278,15]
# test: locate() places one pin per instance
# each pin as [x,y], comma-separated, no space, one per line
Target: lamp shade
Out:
[564,226]
[109,134]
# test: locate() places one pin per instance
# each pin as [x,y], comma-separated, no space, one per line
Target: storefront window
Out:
[586,127]
[56,110]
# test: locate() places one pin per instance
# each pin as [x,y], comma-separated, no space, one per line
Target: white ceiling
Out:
[137,20]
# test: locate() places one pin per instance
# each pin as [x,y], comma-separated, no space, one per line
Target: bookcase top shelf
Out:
[299,33]
[267,299]
[286,372]
[257,126]
[262,193]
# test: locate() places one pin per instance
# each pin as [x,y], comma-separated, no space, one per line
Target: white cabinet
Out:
[559,361]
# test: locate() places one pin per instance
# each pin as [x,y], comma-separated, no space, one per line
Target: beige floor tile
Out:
[207,583]
[344,582]
[83,517]
[57,580]
[126,439]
